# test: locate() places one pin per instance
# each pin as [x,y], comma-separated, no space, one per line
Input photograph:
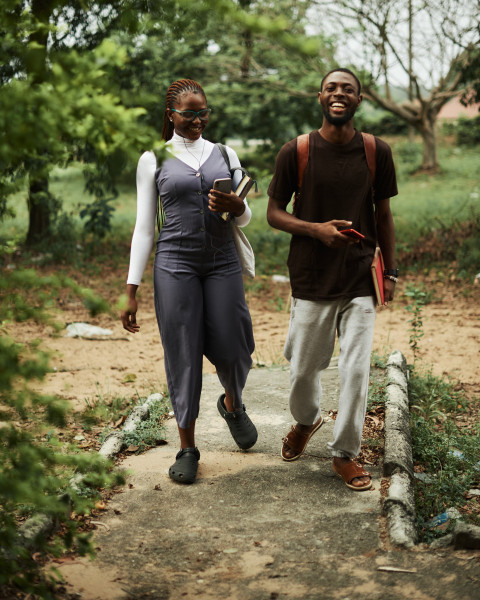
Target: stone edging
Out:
[114,442]
[399,505]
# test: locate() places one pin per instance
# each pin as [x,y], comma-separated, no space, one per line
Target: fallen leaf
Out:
[396,569]
[101,524]
[132,448]
[119,422]
[129,378]
[64,559]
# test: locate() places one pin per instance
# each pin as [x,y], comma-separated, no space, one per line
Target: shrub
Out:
[468,131]
[35,469]
[448,455]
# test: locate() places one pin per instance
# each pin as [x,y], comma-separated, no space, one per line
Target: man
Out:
[332,289]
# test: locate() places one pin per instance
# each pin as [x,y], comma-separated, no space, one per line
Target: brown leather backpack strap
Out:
[370,147]
[303,142]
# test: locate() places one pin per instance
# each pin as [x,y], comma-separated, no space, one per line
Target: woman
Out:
[199,296]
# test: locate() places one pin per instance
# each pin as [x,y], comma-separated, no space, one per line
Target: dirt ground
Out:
[124,365]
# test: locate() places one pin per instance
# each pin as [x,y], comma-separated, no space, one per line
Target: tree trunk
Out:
[39,205]
[426,128]
[38,209]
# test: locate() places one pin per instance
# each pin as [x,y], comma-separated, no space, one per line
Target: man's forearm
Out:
[386,236]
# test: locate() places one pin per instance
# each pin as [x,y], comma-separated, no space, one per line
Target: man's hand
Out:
[388,290]
[329,234]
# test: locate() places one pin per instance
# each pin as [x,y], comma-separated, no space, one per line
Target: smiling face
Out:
[339,98]
[191,130]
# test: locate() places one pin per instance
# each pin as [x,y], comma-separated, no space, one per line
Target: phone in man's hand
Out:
[353,233]
[223,185]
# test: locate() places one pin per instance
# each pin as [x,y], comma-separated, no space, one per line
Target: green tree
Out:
[86,82]
[259,68]
[58,100]
[272,87]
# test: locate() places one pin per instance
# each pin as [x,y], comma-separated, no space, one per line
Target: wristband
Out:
[391,277]
[393,272]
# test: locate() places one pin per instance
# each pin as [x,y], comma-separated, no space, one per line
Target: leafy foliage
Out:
[59,101]
[418,301]
[35,469]
[450,459]
[468,132]
[445,453]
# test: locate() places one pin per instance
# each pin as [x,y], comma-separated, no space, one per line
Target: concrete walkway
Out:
[254,527]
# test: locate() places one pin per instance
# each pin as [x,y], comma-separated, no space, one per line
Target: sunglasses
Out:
[191,115]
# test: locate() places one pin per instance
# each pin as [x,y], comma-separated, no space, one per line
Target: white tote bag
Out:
[244,250]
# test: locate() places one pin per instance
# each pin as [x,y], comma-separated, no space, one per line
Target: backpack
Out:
[303,143]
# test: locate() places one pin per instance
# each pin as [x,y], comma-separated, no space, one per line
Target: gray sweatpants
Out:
[309,348]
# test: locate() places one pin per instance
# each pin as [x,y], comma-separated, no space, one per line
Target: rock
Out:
[466,537]
[85,330]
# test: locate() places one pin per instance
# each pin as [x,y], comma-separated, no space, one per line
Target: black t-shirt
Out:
[336,185]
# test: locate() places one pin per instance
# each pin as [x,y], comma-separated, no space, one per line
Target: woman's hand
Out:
[221,202]
[129,313]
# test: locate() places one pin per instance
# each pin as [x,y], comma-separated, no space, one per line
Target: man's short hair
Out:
[343,71]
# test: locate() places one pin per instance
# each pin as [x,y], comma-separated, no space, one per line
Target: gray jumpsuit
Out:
[199,296]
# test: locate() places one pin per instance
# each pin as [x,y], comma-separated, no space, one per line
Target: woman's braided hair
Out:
[176,89]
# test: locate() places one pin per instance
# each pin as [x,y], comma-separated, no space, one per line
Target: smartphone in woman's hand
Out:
[223,185]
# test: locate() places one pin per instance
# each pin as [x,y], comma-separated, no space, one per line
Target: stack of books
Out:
[377,276]
[242,190]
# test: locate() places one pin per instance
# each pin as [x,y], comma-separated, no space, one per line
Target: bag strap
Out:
[224,152]
[370,149]
[370,152]
[159,215]
[303,145]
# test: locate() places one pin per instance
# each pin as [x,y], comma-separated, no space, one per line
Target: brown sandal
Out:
[351,470]
[297,441]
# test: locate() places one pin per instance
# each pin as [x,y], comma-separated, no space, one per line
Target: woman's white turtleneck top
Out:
[188,152]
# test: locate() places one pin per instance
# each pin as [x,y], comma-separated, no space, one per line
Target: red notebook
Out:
[377,276]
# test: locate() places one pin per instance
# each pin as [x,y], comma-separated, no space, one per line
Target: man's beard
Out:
[341,120]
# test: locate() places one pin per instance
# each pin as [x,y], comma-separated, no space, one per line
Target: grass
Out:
[446,448]
[445,437]
[426,202]
[68,185]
